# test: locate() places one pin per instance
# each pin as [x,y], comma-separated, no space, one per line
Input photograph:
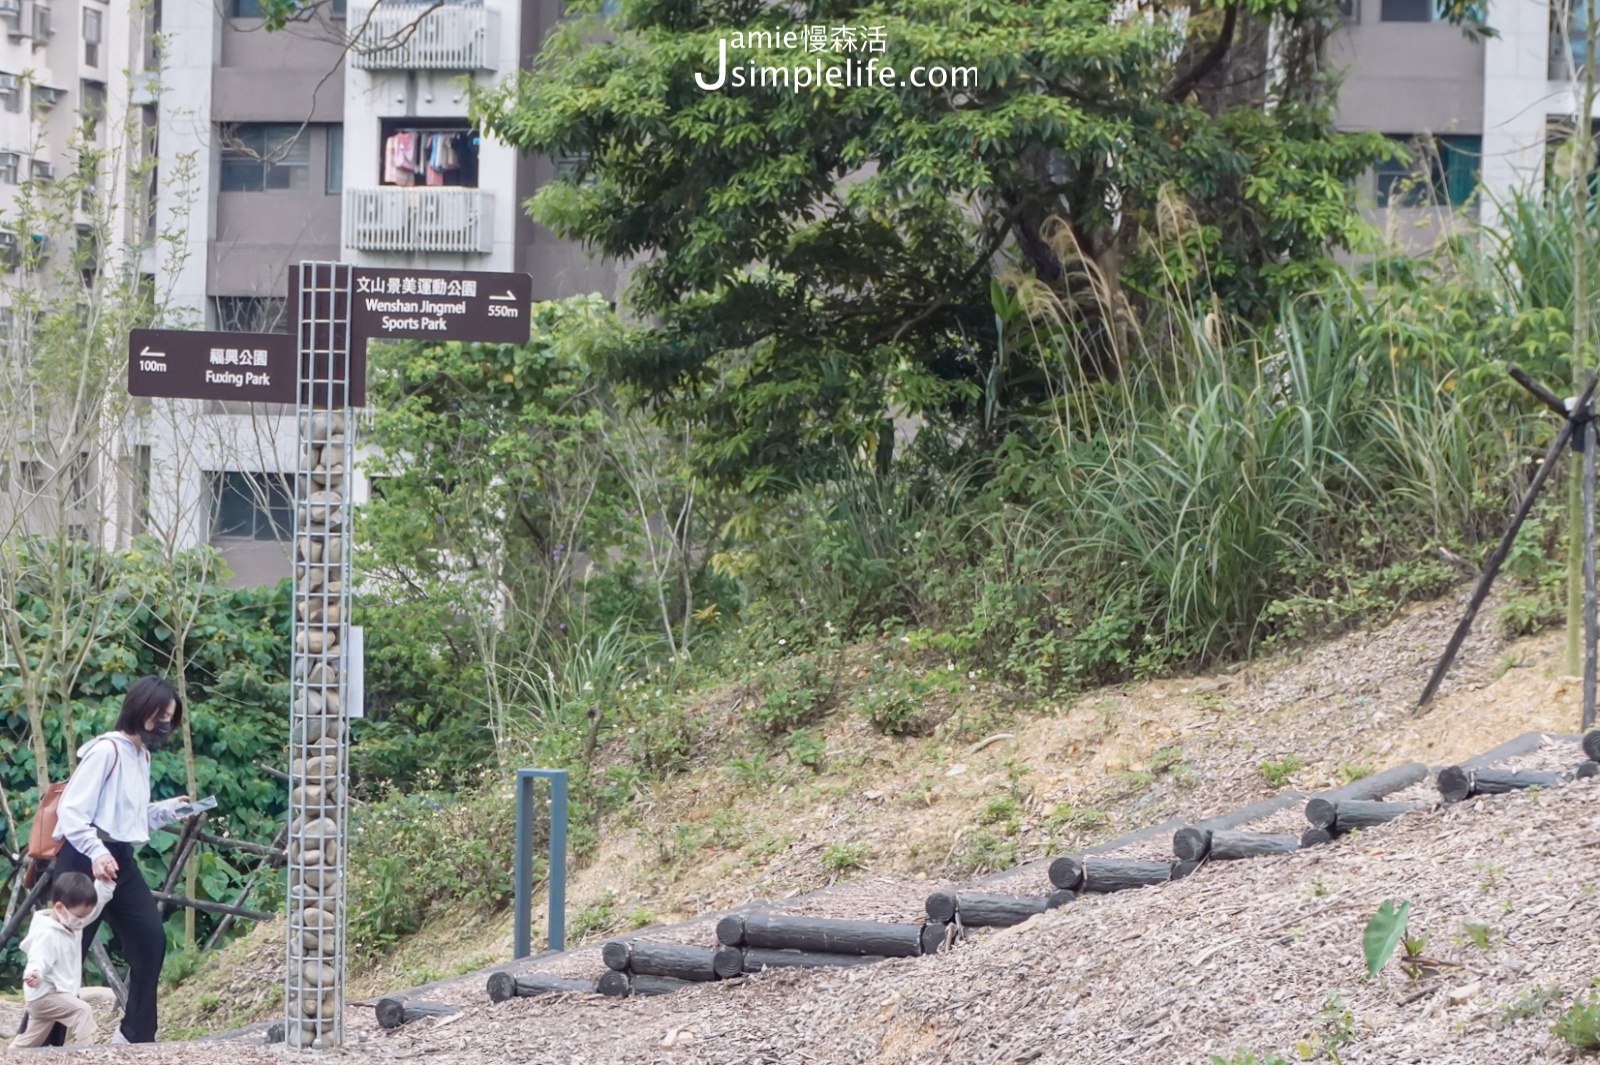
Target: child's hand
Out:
[32,979]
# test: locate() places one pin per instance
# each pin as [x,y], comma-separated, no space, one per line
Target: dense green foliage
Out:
[235,661]
[820,258]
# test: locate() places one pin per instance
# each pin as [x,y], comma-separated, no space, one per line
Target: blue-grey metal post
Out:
[523,916]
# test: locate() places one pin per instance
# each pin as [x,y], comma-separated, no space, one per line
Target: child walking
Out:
[54,971]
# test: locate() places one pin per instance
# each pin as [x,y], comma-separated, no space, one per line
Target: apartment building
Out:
[65,169]
[1483,114]
[343,137]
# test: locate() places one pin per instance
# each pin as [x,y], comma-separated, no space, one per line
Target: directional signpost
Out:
[320,366]
[335,310]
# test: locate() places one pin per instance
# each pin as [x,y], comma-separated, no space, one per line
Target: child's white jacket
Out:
[55,952]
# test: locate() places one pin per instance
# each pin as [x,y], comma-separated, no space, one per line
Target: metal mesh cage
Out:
[318,741]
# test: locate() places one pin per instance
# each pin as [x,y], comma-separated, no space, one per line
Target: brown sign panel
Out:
[185,364]
[473,307]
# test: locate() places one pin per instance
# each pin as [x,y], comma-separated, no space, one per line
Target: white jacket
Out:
[110,791]
[55,952]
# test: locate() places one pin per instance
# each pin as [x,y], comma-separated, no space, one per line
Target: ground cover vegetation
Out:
[1051,384]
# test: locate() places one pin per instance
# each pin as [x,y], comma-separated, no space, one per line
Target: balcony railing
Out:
[401,37]
[393,218]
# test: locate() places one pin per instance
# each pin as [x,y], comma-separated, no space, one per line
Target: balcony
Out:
[399,36]
[393,218]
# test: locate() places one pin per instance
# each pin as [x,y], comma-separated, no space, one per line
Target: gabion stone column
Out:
[318,739]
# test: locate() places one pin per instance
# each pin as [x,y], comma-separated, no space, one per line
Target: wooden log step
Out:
[826,936]
[730,930]
[393,1012]
[1591,744]
[933,936]
[1345,814]
[1314,837]
[1457,783]
[979,909]
[728,961]
[623,985]
[1192,844]
[1231,846]
[503,986]
[1101,875]
[641,957]
[1586,769]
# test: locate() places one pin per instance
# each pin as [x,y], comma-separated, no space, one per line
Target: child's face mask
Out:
[69,920]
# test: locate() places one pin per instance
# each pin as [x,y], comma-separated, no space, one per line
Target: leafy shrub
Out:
[792,699]
[1276,771]
[414,853]
[842,857]
[1579,1025]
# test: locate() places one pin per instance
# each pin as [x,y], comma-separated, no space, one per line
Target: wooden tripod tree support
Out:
[1577,428]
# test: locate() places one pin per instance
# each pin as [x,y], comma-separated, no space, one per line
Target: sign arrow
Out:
[146,353]
[505,296]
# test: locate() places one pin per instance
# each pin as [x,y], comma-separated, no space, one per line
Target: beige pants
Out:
[45,1011]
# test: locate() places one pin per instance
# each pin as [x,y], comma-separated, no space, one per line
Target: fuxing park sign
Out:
[179,363]
[387,304]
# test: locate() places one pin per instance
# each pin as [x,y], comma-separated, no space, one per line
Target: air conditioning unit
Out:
[10,85]
[10,250]
[43,172]
[47,97]
[10,163]
[11,11]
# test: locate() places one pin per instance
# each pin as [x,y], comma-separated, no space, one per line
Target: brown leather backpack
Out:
[42,844]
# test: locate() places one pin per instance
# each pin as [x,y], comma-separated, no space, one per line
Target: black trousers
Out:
[133,916]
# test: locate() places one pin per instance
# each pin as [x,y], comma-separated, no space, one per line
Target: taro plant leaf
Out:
[1383,934]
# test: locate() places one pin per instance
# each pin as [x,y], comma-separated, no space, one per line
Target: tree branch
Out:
[1208,62]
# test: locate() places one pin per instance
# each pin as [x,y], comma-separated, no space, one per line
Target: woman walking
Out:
[104,813]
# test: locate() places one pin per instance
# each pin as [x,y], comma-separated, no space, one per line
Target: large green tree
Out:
[816,258]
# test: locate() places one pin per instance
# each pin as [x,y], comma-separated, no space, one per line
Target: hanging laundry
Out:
[400,159]
[431,157]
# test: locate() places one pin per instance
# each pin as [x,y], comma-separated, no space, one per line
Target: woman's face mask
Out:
[156,738]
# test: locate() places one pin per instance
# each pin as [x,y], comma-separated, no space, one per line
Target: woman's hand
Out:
[32,979]
[105,867]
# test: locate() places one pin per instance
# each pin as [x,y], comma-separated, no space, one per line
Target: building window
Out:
[92,105]
[252,506]
[93,21]
[31,477]
[244,9]
[10,165]
[1443,170]
[1350,11]
[264,157]
[81,480]
[1409,11]
[11,93]
[250,314]
[335,160]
